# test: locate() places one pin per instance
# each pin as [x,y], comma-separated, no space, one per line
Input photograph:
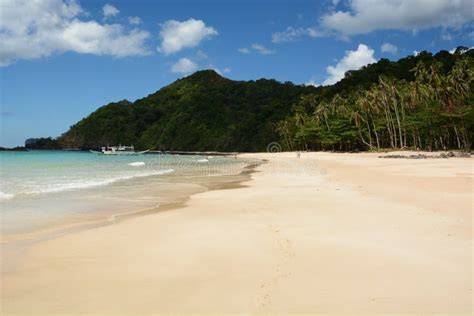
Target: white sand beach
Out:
[325,234]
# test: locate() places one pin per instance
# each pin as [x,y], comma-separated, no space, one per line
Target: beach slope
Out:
[321,234]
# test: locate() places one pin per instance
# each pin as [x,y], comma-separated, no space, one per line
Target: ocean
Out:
[46,191]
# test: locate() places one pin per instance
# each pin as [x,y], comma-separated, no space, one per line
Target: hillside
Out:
[201,112]
[206,111]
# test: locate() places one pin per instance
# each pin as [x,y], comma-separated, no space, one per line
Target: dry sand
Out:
[324,234]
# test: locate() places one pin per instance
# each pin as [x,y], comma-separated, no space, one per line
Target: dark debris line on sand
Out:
[421,156]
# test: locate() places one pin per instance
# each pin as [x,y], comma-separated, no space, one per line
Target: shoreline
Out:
[13,247]
[332,228]
[204,181]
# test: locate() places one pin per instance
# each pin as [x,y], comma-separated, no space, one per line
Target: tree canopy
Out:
[430,107]
[422,101]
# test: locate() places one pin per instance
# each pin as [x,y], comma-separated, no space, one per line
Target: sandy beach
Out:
[325,234]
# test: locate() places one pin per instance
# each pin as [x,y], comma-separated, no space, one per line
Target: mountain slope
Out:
[206,111]
[201,112]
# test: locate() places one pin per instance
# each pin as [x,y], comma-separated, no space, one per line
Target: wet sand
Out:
[324,234]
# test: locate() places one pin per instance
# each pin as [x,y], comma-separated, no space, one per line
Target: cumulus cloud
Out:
[184,66]
[366,16]
[389,48]
[353,60]
[176,35]
[311,83]
[262,50]
[199,60]
[292,34]
[221,71]
[35,29]
[134,20]
[109,10]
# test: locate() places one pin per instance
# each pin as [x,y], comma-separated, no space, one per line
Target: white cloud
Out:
[244,50]
[353,60]
[256,48]
[219,71]
[367,16]
[184,66]
[109,10]
[134,20]
[201,61]
[311,83]
[453,50]
[262,50]
[293,34]
[178,35]
[416,53]
[35,29]
[389,48]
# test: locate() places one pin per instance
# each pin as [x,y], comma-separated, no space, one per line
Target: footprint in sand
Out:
[285,254]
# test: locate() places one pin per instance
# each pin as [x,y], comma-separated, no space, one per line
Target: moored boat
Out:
[118,150]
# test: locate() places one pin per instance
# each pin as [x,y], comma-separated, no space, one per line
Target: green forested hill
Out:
[201,112]
[205,111]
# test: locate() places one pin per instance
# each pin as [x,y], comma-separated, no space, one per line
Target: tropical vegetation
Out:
[418,102]
[435,111]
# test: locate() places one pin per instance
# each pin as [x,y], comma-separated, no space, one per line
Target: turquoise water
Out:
[39,172]
[44,189]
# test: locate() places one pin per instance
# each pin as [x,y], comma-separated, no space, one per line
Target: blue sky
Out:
[60,60]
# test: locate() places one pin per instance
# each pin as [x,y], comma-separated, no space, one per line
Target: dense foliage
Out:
[42,143]
[201,112]
[431,109]
[421,101]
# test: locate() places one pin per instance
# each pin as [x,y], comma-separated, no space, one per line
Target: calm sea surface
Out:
[45,190]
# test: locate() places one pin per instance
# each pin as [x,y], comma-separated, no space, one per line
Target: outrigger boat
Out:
[118,150]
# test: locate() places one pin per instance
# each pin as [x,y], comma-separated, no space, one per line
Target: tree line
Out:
[435,111]
[418,102]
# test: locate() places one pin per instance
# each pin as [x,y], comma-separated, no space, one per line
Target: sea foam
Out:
[82,184]
[137,164]
[5,196]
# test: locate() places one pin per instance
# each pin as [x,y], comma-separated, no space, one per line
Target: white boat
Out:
[118,150]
